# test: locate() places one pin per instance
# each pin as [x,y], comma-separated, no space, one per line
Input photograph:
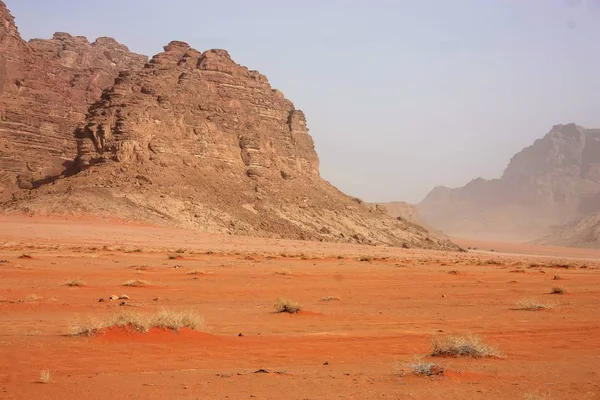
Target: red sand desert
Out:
[391,304]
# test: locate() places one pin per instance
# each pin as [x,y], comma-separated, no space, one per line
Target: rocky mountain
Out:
[409,212]
[46,87]
[583,233]
[192,139]
[554,182]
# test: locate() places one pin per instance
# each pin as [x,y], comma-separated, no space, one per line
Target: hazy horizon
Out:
[400,96]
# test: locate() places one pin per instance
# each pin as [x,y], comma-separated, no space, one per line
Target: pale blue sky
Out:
[400,96]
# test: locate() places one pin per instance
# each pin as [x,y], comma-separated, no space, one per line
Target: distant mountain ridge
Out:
[552,183]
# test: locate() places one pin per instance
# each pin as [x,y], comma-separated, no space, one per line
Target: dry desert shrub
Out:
[284,271]
[421,367]
[465,345]
[197,272]
[75,282]
[536,396]
[45,376]
[556,278]
[558,290]
[287,305]
[140,322]
[533,305]
[33,297]
[136,283]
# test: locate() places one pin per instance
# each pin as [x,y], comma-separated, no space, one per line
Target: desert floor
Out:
[392,302]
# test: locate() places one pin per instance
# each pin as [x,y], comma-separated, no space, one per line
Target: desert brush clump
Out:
[465,345]
[33,297]
[558,290]
[420,367]
[288,306]
[139,322]
[136,283]
[536,396]
[45,376]
[284,271]
[75,282]
[533,305]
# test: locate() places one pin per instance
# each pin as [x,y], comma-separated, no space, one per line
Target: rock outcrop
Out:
[408,212]
[197,141]
[583,233]
[554,182]
[46,87]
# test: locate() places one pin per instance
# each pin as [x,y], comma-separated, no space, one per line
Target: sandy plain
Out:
[392,302]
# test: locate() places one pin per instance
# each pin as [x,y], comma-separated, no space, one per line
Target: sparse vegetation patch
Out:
[140,322]
[287,306]
[533,305]
[283,272]
[421,367]
[33,297]
[558,290]
[136,283]
[466,345]
[45,376]
[75,282]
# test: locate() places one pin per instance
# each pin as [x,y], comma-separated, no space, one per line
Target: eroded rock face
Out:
[555,181]
[46,87]
[202,109]
[583,233]
[197,141]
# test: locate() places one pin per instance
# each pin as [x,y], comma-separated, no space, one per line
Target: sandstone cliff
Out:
[46,87]
[554,182]
[198,141]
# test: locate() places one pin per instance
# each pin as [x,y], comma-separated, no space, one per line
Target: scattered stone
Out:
[262,371]
[176,266]
[113,297]
[240,334]
[101,300]
[156,299]
[326,363]
[123,297]
[121,304]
